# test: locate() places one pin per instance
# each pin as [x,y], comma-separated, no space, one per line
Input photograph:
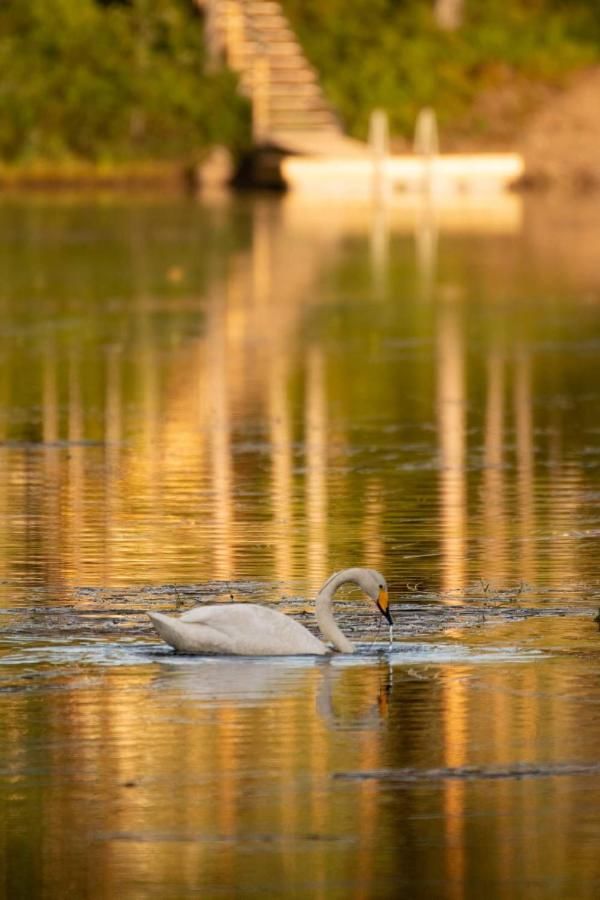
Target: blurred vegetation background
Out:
[499,62]
[111,81]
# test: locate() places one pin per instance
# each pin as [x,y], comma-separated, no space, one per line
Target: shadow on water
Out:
[227,401]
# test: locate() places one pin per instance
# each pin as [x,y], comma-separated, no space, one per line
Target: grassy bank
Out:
[52,174]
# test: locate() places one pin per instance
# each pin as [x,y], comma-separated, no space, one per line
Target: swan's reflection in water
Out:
[236,680]
[370,714]
[251,681]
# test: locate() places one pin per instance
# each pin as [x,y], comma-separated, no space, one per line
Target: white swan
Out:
[246,629]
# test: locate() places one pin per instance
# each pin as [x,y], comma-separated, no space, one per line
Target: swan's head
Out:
[374,585]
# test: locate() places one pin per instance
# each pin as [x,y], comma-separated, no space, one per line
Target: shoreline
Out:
[180,178]
[82,175]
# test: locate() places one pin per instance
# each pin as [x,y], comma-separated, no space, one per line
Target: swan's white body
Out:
[250,630]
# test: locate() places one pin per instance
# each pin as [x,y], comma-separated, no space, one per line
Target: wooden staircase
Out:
[289,109]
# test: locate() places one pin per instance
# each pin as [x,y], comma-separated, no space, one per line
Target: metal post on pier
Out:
[427,146]
[379,143]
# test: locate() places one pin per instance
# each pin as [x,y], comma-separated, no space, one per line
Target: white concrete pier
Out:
[443,175]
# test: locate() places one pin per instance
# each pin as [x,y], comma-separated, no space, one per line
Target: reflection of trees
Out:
[451,428]
[176,371]
[316,443]
[494,487]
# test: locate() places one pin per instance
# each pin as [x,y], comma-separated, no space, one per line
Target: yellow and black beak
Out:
[383,605]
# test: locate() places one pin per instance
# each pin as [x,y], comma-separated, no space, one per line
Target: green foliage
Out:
[110,82]
[391,54]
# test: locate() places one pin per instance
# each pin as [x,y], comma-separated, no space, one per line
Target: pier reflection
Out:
[217,425]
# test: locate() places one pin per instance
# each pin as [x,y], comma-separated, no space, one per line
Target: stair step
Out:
[279,87]
[272,23]
[289,55]
[288,119]
[279,73]
[280,101]
[253,32]
[255,23]
[299,78]
[294,104]
[294,93]
[287,63]
[286,82]
[285,48]
[260,7]
[278,36]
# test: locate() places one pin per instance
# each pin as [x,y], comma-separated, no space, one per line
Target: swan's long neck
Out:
[324,610]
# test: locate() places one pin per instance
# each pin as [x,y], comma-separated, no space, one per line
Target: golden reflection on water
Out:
[451,427]
[315,419]
[217,777]
[413,390]
[270,351]
[494,487]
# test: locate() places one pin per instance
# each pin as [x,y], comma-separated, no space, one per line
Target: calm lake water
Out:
[234,398]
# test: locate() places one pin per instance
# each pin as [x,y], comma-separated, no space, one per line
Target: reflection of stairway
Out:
[289,109]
